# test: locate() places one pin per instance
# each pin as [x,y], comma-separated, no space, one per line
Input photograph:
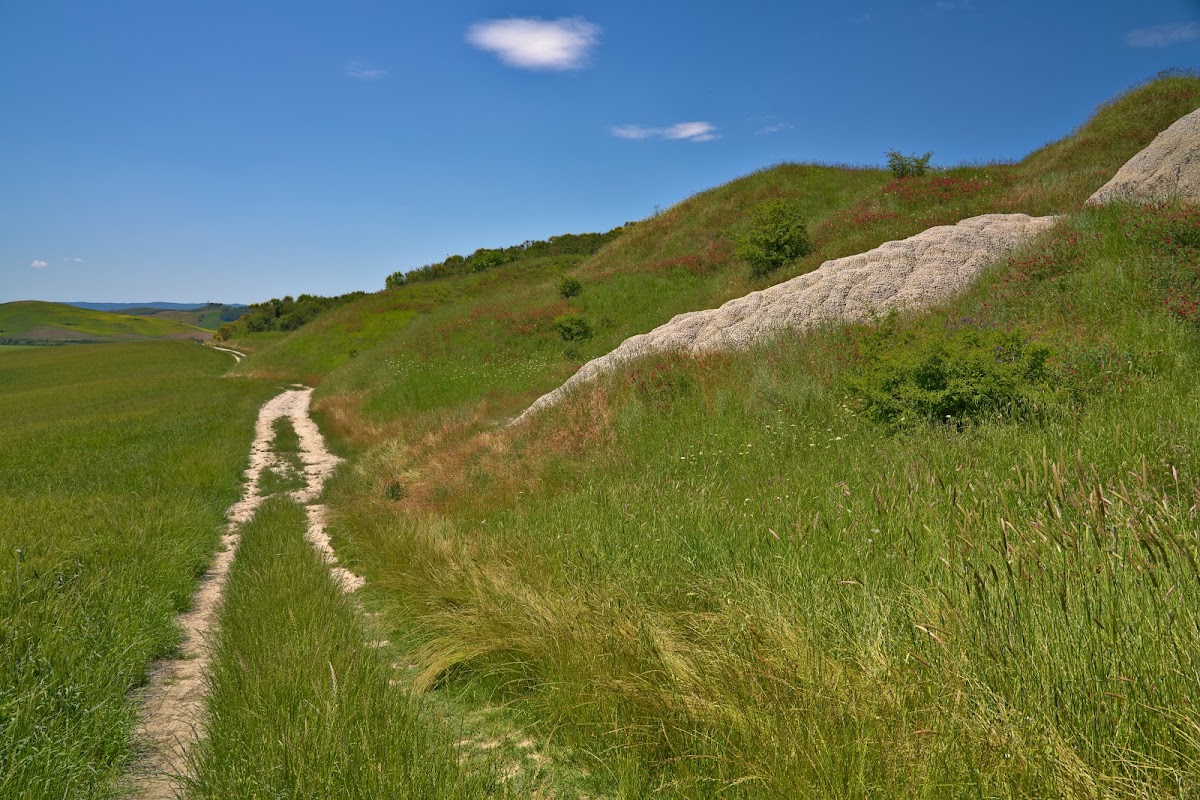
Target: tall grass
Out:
[116,465]
[715,577]
[745,588]
[301,706]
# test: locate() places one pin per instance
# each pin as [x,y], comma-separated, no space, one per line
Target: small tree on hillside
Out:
[903,166]
[569,287]
[776,235]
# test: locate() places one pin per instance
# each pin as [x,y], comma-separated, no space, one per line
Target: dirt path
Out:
[171,718]
[237,356]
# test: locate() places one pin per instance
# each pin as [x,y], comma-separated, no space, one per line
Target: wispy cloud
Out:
[361,71]
[687,131]
[776,127]
[1163,35]
[37,263]
[74,260]
[952,5]
[560,44]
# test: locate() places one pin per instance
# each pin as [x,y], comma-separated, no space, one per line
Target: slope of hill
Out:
[376,352]
[209,316]
[34,322]
[940,555]
[157,305]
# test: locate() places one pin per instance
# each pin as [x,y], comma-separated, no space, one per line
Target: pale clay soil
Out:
[172,705]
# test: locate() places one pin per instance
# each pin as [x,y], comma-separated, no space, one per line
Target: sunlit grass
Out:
[116,465]
[301,705]
[750,590]
[714,577]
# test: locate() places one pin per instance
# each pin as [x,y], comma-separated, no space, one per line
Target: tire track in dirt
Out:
[171,718]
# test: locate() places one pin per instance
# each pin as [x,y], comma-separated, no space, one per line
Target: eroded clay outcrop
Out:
[913,273]
[1168,169]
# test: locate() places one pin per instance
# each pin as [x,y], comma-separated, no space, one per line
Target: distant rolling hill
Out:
[32,322]
[121,307]
[209,316]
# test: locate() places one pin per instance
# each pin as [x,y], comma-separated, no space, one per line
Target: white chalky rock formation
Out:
[1168,169]
[913,273]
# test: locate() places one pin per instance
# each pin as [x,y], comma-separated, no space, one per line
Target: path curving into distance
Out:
[171,719]
[237,355]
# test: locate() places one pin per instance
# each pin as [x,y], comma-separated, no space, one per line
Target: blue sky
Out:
[234,150]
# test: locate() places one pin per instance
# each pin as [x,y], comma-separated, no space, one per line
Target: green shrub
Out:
[573,328]
[484,259]
[952,375]
[903,166]
[776,235]
[569,287]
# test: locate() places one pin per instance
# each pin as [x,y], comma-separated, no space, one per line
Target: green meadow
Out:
[302,706]
[756,575]
[31,322]
[117,463]
[940,555]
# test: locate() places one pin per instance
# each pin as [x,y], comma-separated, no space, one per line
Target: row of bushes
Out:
[483,259]
[283,314]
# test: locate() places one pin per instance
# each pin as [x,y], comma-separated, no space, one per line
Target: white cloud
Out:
[77,260]
[690,130]
[37,263]
[362,71]
[1163,35]
[560,44]
[687,131]
[633,132]
[767,130]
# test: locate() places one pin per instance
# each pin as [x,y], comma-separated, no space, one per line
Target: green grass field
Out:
[947,555]
[33,322]
[116,465]
[720,577]
[723,571]
[301,705]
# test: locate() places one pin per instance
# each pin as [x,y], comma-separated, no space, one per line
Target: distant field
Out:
[33,322]
[210,317]
[116,465]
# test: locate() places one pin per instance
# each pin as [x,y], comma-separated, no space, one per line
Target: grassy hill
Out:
[942,555]
[787,571]
[209,316]
[470,335]
[34,322]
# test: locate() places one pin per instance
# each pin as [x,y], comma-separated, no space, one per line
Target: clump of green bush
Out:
[776,235]
[485,258]
[903,166]
[282,314]
[569,287]
[573,328]
[961,373]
